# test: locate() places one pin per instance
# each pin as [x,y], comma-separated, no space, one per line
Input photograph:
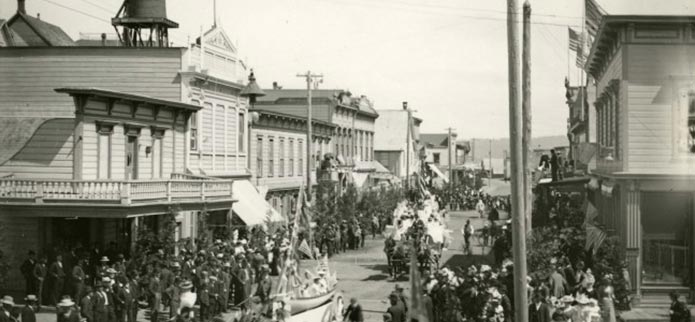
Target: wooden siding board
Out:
[30,76]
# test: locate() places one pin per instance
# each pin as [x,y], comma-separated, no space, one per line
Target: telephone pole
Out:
[526,113]
[517,173]
[451,163]
[407,146]
[311,79]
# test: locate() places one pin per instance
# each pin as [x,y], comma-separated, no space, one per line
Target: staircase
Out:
[656,295]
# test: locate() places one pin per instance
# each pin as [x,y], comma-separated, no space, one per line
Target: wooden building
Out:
[645,85]
[353,136]
[390,145]
[278,145]
[212,78]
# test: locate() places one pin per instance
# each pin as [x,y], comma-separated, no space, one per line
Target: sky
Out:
[447,58]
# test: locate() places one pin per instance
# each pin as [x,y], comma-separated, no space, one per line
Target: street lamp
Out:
[251,91]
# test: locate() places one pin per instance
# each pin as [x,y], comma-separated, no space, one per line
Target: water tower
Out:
[144,23]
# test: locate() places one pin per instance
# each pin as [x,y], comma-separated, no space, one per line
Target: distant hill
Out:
[481,147]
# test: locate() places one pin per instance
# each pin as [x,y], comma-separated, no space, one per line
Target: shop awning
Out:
[251,207]
[438,172]
[359,178]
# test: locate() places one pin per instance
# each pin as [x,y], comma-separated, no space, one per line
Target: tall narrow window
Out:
[691,123]
[291,159]
[194,131]
[300,170]
[281,151]
[259,156]
[271,157]
[242,131]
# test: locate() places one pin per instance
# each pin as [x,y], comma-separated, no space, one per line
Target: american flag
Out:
[305,249]
[594,237]
[574,38]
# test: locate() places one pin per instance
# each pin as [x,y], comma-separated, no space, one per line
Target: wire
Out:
[420,11]
[112,11]
[78,11]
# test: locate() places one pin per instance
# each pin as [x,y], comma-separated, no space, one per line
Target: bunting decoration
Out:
[594,237]
[574,38]
[593,14]
[590,211]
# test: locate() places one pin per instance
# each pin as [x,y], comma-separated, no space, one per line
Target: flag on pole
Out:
[574,39]
[305,249]
[594,237]
[590,211]
[417,305]
[593,14]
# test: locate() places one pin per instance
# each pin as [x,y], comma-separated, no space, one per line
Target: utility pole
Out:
[310,79]
[451,164]
[526,113]
[517,180]
[489,164]
[407,147]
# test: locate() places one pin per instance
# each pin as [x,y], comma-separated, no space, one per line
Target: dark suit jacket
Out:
[87,307]
[28,314]
[397,313]
[353,313]
[542,314]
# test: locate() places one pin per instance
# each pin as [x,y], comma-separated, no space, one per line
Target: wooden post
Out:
[517,181]
[526,111]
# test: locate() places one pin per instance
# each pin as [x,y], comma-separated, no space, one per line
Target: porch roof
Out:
[116,95]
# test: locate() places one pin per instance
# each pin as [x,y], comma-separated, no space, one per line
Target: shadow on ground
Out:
[460,260]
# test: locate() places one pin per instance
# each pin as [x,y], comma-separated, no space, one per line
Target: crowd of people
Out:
[106,286]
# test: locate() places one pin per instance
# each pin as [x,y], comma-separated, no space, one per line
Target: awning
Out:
[359,178]
[438,172]
[251,207]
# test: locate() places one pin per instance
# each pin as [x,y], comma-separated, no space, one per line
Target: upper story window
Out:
[281,152]
[291,158]
[259,156]
[300,170]
[242,132]
[607,121]
[194,128]
[435,158]
[271,157]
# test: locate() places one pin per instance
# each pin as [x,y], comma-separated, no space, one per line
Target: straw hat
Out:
[583,299]
[7,300]
[104,259]
[186,285]
[31,298]
[66,303]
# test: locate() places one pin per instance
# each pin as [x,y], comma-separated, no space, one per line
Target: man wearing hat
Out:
[67,311]
[7,308]
[27,270]
[353,313]
[87,304]
[57,274]
[78,276]
[30,308]
[401,297]
[155,294]
[395,310]
[39,278]
[101,269]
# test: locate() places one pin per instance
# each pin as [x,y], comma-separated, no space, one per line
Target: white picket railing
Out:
[126,192]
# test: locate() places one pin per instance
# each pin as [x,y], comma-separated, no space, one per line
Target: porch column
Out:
[633,247]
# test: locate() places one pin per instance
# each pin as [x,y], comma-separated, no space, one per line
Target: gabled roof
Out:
[24,30]
[435,139]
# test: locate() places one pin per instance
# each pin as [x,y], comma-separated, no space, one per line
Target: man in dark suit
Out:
[678,312]
[102,302]
[57,274]
[27,270]
[29,310]
[40,272]
[87,304]
[353,313]
[538,311]
[395,310]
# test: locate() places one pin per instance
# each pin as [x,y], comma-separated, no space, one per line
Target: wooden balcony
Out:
[153,196]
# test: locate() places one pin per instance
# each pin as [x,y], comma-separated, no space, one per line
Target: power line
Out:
[448,12]
[78,11]
[98,6]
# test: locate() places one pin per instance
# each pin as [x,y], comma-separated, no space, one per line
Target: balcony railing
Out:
[130,192]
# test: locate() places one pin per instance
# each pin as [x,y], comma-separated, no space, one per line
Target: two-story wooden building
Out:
[352,141]
[278,144]
[645,106]
[212,77]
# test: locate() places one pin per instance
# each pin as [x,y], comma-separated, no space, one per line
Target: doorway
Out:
[131,157]
[666,237]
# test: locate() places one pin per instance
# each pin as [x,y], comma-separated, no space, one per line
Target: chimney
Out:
[38,16]
[103,39]
[276,86]
[405,106]
[21,8]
